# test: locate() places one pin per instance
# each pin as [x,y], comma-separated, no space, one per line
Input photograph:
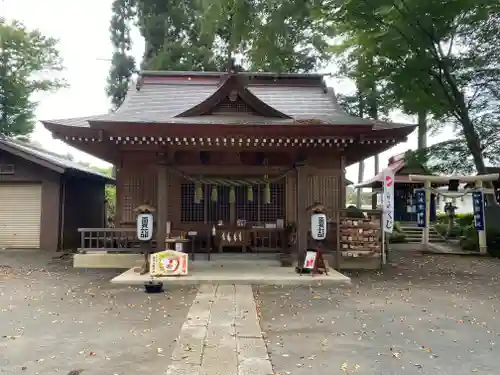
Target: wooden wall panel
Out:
[174,198]
[323,186]
[324,189]
[138,186]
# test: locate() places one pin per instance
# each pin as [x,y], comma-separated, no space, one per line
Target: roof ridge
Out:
[218,74]
[39,148]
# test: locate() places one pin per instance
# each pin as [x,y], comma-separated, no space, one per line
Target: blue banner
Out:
[420,198]
[478,206]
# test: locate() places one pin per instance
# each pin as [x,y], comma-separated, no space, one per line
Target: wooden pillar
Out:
[425,233]
[117,220]
[374,199]
[302,220]
[341,205]
[161,205]
[483,247]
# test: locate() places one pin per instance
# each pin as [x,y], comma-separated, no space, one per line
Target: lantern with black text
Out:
[318,226]
[145,226]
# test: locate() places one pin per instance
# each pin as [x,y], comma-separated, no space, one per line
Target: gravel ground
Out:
[55,319]
[423,314]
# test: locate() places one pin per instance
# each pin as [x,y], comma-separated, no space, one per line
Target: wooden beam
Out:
[461,179]
[302,221]
[219,170]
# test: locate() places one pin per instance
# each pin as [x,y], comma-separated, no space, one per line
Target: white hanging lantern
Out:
[318,226]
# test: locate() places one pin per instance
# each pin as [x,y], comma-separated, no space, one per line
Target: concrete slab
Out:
[238,275]
[445,249]
[106,260]
[223,351]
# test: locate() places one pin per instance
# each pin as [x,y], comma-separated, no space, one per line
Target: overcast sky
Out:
[82,29]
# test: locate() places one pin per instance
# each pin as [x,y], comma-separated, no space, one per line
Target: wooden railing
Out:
[125,240]
[272,240]
[109,239]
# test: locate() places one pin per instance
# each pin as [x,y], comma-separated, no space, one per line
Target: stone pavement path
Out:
[221,335]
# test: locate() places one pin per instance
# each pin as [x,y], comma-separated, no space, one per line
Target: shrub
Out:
[397,227]
[464,220]
[354,212]
[493,242]
[441,228]
[469,240]
[441,218]
[461,219]
[397,237]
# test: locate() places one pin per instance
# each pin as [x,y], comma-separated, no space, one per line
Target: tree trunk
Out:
[361,167]
[470,133]
[373,103]
[474,145]
[422,129]
[361,172]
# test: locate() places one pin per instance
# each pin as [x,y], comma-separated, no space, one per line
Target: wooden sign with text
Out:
[314,263]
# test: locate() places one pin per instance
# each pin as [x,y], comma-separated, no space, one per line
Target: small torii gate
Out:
[478,183]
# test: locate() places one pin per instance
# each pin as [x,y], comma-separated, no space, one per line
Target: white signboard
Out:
[144,227]
[318,227]
[388,200]
[310,259]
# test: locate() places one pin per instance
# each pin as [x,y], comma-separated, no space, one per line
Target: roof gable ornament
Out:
[232,87]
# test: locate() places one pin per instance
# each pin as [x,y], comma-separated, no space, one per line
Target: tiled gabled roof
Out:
[60,163]
[162,97]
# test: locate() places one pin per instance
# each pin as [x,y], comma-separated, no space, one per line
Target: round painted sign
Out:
[170,264]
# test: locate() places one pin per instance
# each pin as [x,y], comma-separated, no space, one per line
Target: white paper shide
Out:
[145,227]
[318,227]
[388,200]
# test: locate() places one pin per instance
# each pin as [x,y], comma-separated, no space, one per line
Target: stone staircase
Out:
[414,234]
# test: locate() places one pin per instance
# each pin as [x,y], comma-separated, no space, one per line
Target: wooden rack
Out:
[360,237]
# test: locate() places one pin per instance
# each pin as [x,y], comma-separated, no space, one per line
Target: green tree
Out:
[110,190]
[271,36]
[438,56]
[368,101]
[194,35]
[122,64]
[29,62]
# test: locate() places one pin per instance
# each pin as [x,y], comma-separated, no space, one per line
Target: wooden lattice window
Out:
[131,198]
[220,209]
[139,187]
[191,211]
[237,106]
[245,209]
[275,209]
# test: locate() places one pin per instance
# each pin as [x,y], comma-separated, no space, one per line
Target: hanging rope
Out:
[230,182]
[453,194]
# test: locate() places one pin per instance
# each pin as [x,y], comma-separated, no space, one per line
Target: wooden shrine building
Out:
[404,196]
[235,151]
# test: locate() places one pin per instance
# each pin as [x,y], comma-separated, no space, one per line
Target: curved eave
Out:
[233,83]
[286,128]
[78,131]
[91,127]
